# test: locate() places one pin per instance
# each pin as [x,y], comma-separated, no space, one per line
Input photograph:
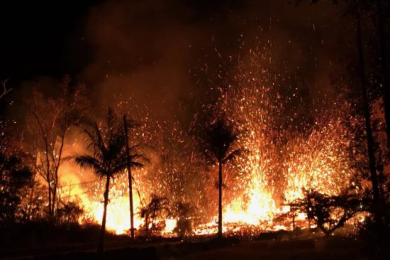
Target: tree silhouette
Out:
[48,124]
[131,153]
[109,157]
[184,224]
[14,175]
[158,206]
[356,9]
[69,213]
[330,212]
[218,141]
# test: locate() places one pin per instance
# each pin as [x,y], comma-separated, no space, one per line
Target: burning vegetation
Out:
[242,148]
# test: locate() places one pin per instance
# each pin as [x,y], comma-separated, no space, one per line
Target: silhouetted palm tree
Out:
[218,143]
[109,157]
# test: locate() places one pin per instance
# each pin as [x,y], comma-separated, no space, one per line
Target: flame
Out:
[321,162]
[118,215]
[255,197]
[170,225]
[256,205]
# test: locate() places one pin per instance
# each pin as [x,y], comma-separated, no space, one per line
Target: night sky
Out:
[48,37]
[155,51]
[42,38]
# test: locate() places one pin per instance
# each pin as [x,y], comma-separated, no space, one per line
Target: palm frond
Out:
[87,161]
[218,139]
[109,148]
[136,164]
[233,155]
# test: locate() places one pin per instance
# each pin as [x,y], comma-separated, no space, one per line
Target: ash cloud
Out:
[145,52]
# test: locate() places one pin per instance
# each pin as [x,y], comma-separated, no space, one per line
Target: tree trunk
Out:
[385,67]
[129,179]
[50,212]
[220,200]
[50,189]
[54,196]
[366,111]
[48,179]
[30,206]
[56,169]
[100,248]
[146,225]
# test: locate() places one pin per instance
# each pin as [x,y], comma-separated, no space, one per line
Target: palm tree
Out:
[109,157]
[218,143]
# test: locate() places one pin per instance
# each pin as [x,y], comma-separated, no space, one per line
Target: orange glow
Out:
[260,184]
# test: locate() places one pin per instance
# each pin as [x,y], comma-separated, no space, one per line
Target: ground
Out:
[279,245]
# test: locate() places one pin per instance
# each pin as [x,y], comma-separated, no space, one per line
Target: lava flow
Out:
[277,164]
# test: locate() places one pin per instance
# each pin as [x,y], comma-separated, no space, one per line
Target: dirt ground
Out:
[79,243]
[231,248]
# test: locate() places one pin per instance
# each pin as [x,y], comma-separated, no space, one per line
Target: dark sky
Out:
[148,49]
[42,37]
[47,38]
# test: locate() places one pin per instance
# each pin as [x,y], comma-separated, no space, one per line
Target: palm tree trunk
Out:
[220,200]
[100,248]
[366,111]
[129,178]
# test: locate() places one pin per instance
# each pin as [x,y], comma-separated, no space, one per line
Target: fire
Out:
[256,204]
[118,217]
[321,163]
[274,170]
[170,225]
[260,207]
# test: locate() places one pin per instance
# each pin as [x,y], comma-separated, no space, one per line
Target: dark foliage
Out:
[330,212]
[14,175]
[184,223]
[69,213]
[158,207]
[108,147]
[217,141]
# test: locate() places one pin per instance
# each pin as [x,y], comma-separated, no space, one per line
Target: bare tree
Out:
[50,121]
